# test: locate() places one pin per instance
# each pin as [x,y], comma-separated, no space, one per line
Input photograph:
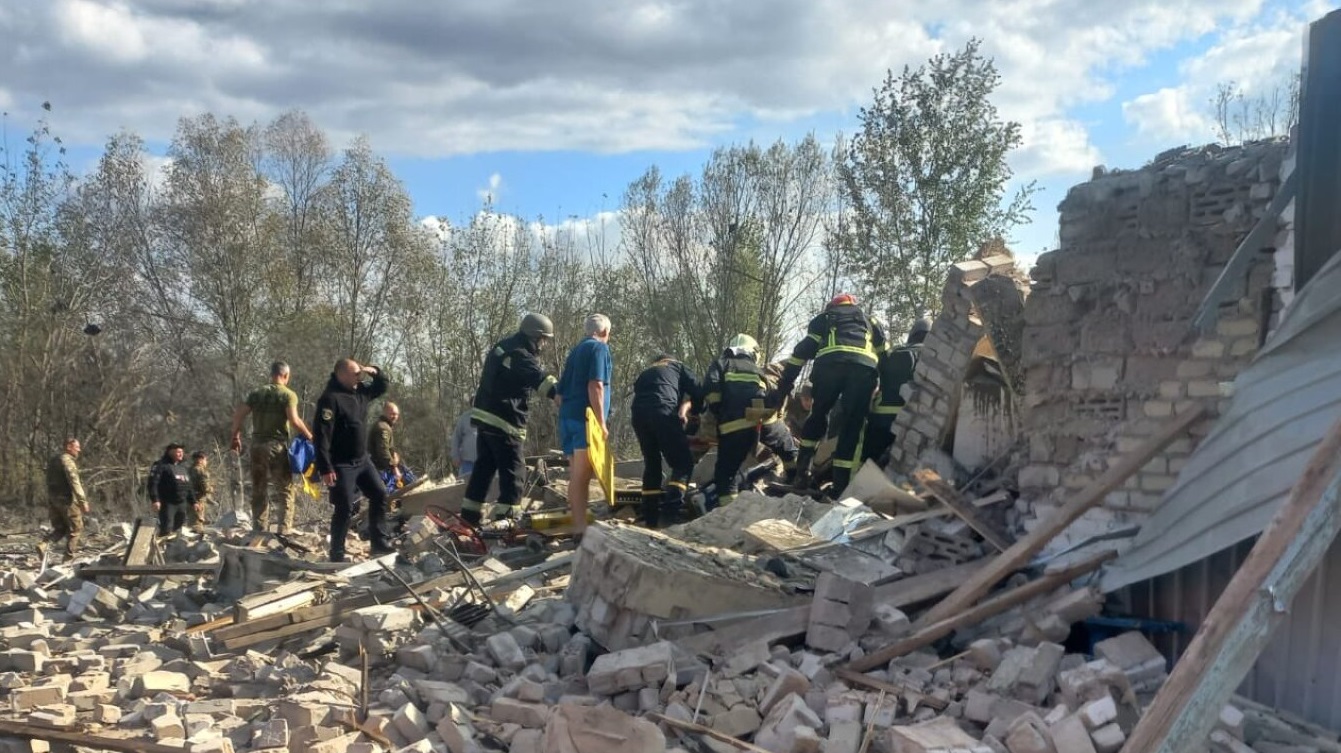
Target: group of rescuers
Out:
[856,378]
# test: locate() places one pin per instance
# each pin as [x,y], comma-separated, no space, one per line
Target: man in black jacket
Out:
[170,489]
[662,396]
[512,371]
[342,452]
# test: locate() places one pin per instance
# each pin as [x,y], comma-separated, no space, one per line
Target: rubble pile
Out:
[638,642]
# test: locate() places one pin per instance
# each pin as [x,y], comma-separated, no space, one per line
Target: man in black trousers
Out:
[662,396]
[342,452]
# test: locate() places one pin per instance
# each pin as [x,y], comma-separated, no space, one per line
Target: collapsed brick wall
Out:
[982,297]
[1109,350]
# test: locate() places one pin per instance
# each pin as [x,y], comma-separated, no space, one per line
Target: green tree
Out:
[924,181]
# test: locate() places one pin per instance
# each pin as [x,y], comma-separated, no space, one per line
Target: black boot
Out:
[650,513]
[802,476]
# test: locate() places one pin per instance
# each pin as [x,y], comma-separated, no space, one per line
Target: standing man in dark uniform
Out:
[737,392]
[846,346]
[512,371]
[342,452]
[65,499]
[896,369]
[170,490]
[662,396]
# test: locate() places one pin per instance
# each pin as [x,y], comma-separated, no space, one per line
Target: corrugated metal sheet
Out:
[1241,473]
[1300,670]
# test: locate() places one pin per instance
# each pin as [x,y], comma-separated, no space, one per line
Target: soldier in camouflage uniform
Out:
[273,409]
[65,498]
[203,487]
[382,442]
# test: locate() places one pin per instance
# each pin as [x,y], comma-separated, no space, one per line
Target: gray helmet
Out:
[537,326]
[920,328]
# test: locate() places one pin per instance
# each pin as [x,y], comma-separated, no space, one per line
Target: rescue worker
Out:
[738,394]
[512,371]
[273,409]
[662,396]
[896,369]
[584,385]
[846,346]
[66,502]
[203,488]
[798,410]
[170,490]
[342,453]
[382,443]
[464,445]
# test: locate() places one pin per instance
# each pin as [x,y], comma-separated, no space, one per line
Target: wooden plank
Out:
[1255,602]
[278,606]
[180,568]
[952,499]
[214,624]
[85,740]
[1019,554]
[777,535]
[141,544]
[857,678]
[925,636]
[720,737]
[245,608]
[789,623]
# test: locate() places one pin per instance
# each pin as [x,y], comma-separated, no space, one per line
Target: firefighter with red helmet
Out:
[846,346]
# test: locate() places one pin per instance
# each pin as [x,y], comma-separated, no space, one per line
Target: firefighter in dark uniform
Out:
[342,458]
[846,346]
[739,397]
[662,397]
[512,371]
[896,369]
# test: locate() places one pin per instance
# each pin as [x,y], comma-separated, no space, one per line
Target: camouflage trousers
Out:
[67,519]
[270,468]
[195,516]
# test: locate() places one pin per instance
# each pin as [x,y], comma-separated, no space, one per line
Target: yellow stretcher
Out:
[602,457]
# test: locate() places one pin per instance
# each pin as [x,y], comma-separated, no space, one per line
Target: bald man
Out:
[342,452]
[382,442]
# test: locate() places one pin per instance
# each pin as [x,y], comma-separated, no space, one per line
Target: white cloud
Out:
[1052,146]
[489,193]
[1258,57]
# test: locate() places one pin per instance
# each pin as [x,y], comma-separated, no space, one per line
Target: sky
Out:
[549,108]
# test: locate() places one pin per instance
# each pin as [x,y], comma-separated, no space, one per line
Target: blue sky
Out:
[553,106]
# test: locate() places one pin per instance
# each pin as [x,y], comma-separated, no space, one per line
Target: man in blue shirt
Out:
[585,383]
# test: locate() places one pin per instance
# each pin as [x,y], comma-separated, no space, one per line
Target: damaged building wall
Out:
[1109,352]
[983,298]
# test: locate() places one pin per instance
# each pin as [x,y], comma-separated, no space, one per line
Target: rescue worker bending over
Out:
[846,346]
[662,396]
[737,394]
[512,371]
[896,369]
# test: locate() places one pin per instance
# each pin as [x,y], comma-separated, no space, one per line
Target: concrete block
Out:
[1070,736]
[1028,734]
[529,715]
[505,651]
[1135,656]
[789,681]
[984,654]
[1108,738]
[738,721]
[1037,680]
[1098,713]
[631,669]
[152,683]
[600,729]
[168,726]
[409,722]
[382,618]
[778,731]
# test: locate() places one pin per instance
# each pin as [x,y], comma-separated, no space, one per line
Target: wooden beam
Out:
[929,634]
[1019,554]
[720,737]
[857,678]
[141,544]
[1255,602]
[951,498]
[181,568]
[85,740]
[792,622]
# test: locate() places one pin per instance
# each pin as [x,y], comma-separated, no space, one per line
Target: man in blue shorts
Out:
[585,383]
